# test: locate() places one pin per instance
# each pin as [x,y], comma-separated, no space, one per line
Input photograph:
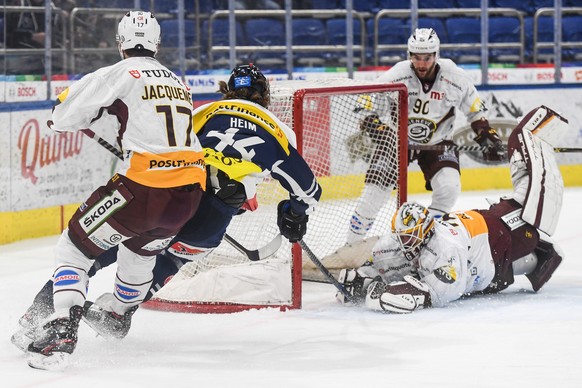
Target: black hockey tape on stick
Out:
[254,255]
[326,272]
[258,254]
[103,143]
[476,148]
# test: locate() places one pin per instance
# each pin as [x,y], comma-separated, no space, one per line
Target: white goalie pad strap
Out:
[543,201]
[265,282]
[547,125]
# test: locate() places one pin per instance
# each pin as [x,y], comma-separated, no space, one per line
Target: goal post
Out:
[326,120]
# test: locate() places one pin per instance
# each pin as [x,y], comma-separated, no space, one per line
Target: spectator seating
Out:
[504,29]
[572,32]
[266,32]
[309,32]
[336,33]
[463,30]
[390,31]
[218,36]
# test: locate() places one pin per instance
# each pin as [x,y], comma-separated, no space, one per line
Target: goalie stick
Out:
[258,254]
[427,147]
[326,272]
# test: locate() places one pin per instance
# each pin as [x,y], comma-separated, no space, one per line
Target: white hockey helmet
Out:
[138,29]
[424,41]
[412,226]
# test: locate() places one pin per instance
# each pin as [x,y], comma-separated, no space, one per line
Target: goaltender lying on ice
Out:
[428,261]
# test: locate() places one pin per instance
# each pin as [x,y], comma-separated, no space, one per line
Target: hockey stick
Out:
[476,148]
[326,272]
[258,254]
[103,143]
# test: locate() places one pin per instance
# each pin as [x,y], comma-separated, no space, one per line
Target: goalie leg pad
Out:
[546,125]
[536,178]
[400,297]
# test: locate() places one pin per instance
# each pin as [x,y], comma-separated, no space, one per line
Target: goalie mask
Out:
[424,41]
[412,226]
[138,30]
[248,76]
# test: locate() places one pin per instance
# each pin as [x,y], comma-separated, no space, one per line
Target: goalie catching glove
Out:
[375,128]
[398,297]
[292,226]
[488,137]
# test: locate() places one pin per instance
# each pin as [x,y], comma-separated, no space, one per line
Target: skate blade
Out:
[101,331]
[22,338]
[55,362]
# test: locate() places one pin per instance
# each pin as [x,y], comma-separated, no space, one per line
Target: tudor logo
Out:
[135,73]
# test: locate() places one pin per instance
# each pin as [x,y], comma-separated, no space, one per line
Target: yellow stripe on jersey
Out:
[246,111]
[172,169]
[235,168]
[473,222]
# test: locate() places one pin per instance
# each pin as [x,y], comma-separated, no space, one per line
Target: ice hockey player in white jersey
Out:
[437,89]
[156,190]
[427,262]
[243,143]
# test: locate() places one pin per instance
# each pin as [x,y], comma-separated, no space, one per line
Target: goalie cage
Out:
[324,118]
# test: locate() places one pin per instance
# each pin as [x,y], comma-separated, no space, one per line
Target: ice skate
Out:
[57,341]
[107,323]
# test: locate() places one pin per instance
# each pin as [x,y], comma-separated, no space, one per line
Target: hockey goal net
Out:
[325,116]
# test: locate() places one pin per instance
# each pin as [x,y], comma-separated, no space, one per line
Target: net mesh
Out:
[325,116]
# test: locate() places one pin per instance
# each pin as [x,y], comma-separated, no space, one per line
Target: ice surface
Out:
[514,339]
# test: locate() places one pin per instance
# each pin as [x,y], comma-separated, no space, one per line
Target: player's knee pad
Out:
[446,188]
[68,254]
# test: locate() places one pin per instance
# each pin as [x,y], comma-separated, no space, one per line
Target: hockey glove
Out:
[291,225]
[377,130]
[399,297]
[356,283]
[490,139]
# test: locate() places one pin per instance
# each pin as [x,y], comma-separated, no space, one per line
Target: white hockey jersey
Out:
[456,261]
[431,113]
[153,111]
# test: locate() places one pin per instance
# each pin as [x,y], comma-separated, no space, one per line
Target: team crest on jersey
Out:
[135,73]
[420,130]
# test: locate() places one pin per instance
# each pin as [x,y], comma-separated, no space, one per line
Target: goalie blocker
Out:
[429,264]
